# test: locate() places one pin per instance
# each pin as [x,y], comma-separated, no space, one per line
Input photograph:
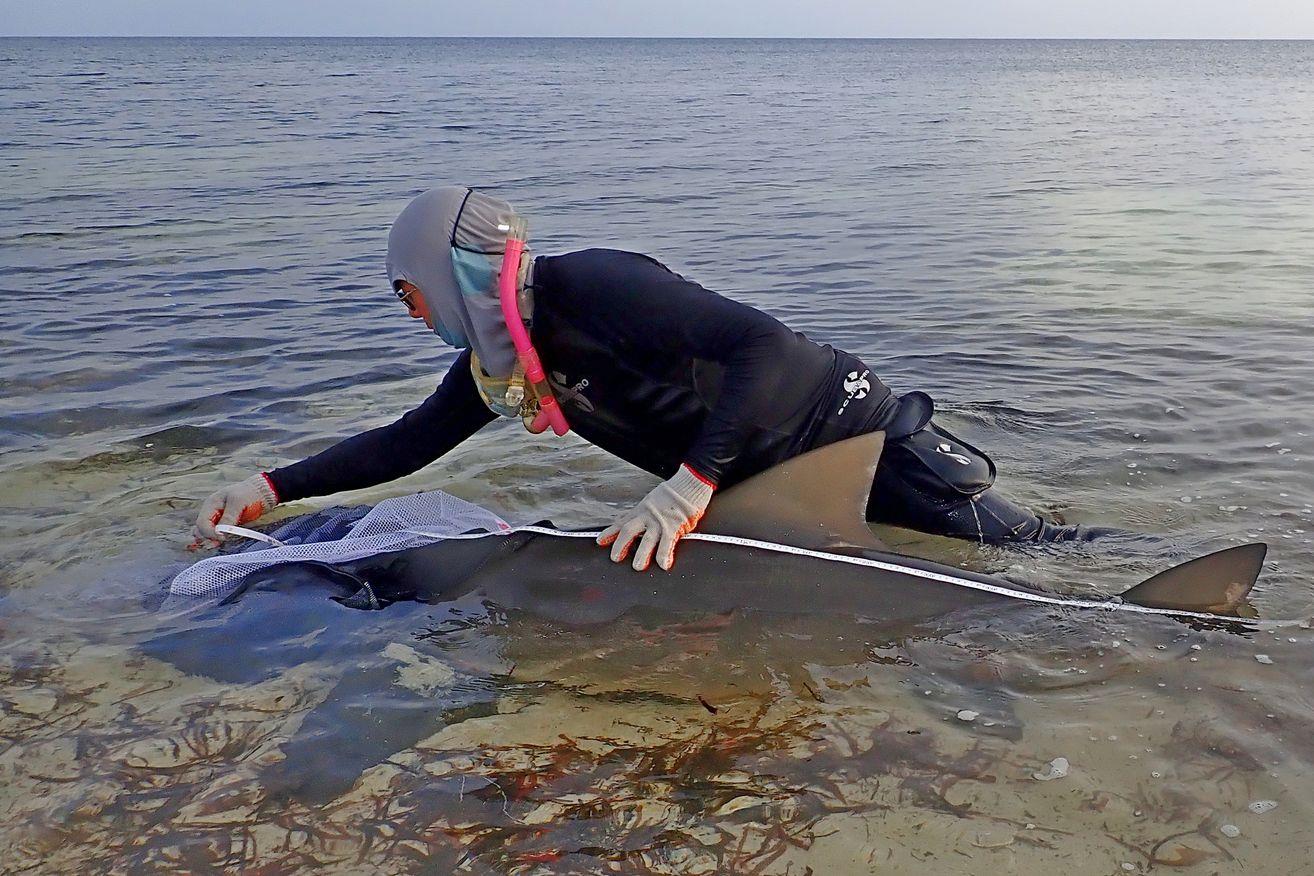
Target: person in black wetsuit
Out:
[683,383]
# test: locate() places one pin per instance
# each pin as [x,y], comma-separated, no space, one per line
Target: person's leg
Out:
[1016,523]
[988,517]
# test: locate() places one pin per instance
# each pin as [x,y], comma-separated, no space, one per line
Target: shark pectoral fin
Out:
[817,500]
[1217,582]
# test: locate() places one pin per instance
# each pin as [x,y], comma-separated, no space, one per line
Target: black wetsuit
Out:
[659,371]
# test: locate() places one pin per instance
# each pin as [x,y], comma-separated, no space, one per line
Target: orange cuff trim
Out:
[693,471]
[273,489]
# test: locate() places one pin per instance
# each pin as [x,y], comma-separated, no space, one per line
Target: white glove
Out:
[235,504]
[664,516]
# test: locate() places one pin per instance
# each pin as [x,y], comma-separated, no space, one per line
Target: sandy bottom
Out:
[711,745]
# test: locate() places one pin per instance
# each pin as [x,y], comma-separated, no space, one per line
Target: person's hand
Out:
[666,515]
[235,504]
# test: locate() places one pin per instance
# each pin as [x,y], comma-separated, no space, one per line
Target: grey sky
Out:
[1265,19]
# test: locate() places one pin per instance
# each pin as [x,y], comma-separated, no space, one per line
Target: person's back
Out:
[660,371]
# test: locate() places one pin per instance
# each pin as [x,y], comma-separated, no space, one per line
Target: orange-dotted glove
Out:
[666,515]
[235,504]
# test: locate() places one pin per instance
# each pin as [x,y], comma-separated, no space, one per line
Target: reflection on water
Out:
[1096,256]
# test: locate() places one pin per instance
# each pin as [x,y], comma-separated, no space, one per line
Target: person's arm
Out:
[452,414]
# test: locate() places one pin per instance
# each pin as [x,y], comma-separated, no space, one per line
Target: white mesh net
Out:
[389,526]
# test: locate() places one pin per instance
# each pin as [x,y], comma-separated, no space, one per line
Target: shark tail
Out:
[1218,583]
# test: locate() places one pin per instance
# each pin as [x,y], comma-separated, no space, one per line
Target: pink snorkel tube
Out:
[549,412]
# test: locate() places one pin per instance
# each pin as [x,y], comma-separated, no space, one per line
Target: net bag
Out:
[393,525]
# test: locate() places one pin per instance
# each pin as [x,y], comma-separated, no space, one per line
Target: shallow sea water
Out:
[1097,256]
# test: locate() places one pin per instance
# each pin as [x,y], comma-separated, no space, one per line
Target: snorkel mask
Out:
[524,392]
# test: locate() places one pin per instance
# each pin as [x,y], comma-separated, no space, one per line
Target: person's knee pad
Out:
[933,481]
[897,500]
[934,462]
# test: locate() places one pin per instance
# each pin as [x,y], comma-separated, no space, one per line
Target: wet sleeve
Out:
[654,311]
[453,413]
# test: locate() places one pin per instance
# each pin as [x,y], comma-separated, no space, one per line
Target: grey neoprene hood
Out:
[447,242]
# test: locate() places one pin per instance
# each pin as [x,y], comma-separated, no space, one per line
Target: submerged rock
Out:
[36,702]
[988,839]
[1057,769]
[740,803]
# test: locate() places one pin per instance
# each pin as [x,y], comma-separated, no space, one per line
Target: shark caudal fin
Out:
[817,500]
[1216,583]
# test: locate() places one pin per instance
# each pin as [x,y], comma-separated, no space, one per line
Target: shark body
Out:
[814,504]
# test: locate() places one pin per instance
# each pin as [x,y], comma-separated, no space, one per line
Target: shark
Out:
[790,540]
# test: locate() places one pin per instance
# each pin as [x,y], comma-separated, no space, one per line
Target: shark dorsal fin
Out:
[1217,582]
[817,500]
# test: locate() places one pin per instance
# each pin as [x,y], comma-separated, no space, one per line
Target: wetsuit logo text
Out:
[566,393]
[857,386]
